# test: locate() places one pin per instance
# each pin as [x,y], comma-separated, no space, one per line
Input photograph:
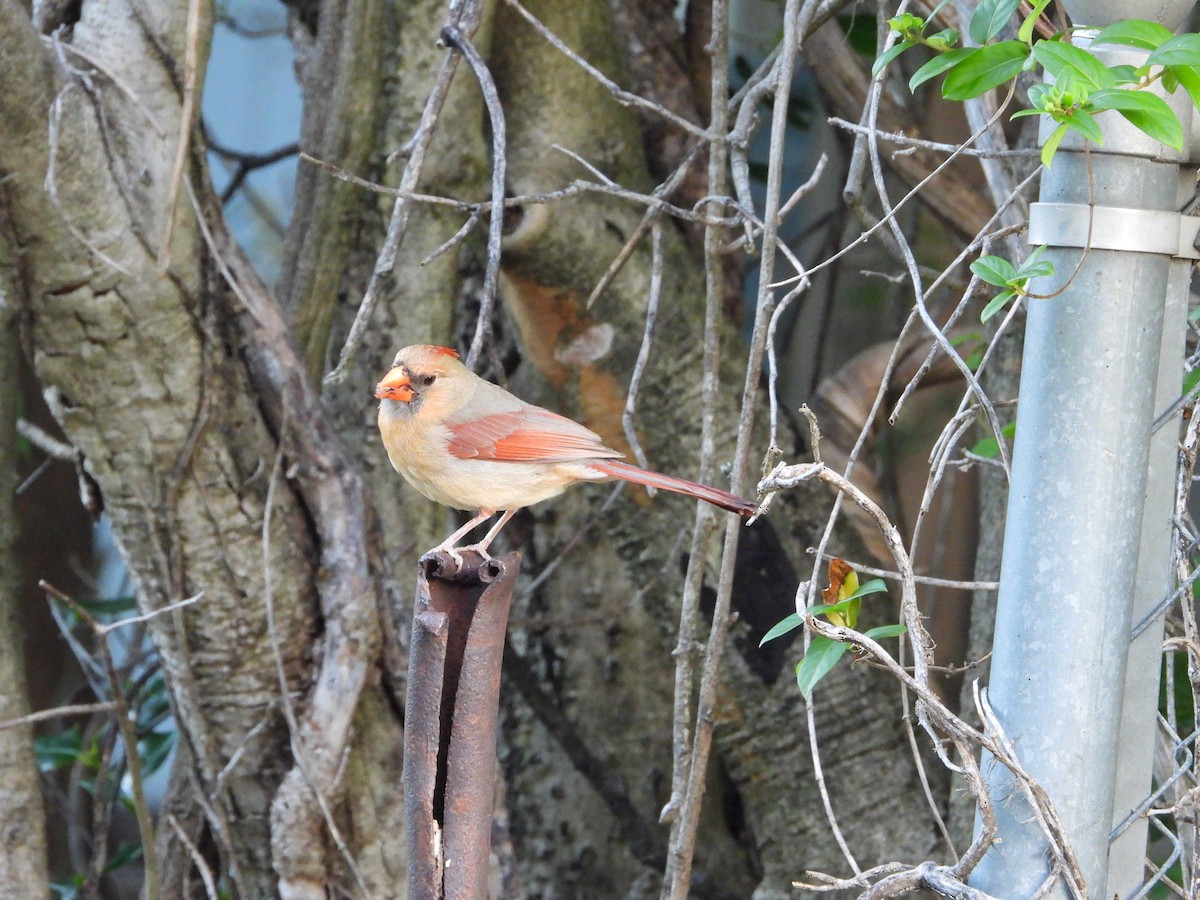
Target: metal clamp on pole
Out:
[1114,228]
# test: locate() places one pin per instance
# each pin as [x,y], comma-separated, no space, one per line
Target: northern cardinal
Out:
[470,444]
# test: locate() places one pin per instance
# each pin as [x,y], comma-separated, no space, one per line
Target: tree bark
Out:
[181,391]
[23,869]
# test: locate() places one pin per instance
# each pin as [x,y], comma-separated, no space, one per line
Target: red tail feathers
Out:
[713,495]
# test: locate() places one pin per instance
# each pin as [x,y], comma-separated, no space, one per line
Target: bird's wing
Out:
[526,435]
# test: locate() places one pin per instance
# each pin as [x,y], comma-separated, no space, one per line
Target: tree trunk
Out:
[23,863]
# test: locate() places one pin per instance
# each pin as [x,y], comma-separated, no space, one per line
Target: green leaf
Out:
[994,270]
[111,609]
[874,586]
[126,852]
[153,707]
[1059,59]
[986,68]
[937,9]
[1034,266]
[1052,143]
[779,629]
[938,65]
[1021,113]
[848,605]
[1037,270]
[1189,77]
[68,890]
[823,654]
[1040,95]
[824,609]
[1025,32]
[996,304]
[888,55]
[907,24]
[1147,112]
[886,631]
[959,339]
[154,749]
[1124,74]
[943,41]
[1134,33]
[1190,380]
[54,751]
[974,359]
[989,447]
[989,19]
[1081,120]
[1182,50]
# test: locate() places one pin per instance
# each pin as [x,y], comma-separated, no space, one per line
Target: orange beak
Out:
[395,386]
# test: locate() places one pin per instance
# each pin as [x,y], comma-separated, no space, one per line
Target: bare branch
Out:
[454,36]
[624,97]
[416,149]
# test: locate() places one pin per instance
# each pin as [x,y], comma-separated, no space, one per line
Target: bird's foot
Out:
[432,556]
[456,554]
[481,549]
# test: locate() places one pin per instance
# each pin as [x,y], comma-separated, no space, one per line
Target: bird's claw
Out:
[481,549]
[434,556]
[456,554]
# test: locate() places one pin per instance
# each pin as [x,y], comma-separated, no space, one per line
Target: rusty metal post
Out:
[450,722]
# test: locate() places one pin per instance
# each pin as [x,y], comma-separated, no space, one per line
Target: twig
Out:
[929,876]
[187,119]
[312,761]
[654,200]
[103,630]
[125,725]
[198,860]
[915,275]
[61,47]
[683,833]
[51,185]
[348,589]
[416,150]
[814,750]
[454,36]
[981,240]
[908,140]
[860,442]
[649,218]
[687,648]
[624,97]
[46,442]
[891,575]
[248,162]
[1039,802]
[803,285]
[59,712]
[643,357]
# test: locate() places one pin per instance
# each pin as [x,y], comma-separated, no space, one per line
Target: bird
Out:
[470,444]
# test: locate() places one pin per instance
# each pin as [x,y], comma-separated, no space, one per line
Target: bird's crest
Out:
[444,351]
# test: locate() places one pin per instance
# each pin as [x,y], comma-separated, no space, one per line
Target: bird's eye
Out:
[427,380]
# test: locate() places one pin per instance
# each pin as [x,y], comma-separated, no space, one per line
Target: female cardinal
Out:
[470,444]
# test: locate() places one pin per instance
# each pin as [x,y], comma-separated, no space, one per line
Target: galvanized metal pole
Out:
[1139,714]
[1074,529]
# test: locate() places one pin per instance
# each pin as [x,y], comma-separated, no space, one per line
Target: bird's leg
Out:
[448,543]
[495,530]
